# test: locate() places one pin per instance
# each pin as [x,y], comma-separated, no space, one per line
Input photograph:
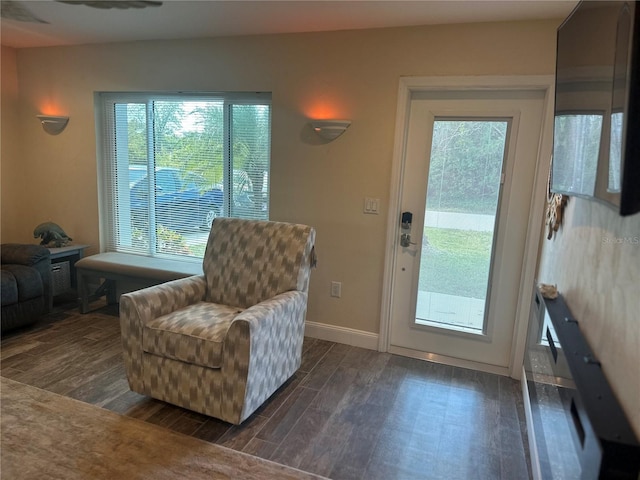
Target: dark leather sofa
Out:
[26,287]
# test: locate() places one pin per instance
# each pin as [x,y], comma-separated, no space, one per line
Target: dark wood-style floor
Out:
[348,413]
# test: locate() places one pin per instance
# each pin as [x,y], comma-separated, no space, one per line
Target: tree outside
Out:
[463,167]
[464,182]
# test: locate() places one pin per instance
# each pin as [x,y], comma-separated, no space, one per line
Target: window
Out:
[172,163]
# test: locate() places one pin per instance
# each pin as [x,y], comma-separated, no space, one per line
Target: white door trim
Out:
[407,86]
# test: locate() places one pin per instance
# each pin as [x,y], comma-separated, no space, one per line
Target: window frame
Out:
[110,207]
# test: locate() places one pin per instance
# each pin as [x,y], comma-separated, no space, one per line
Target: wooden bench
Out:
[132,271]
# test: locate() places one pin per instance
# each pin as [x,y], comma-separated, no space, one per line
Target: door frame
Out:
[409,85]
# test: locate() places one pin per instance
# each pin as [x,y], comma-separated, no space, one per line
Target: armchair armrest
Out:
[272,313]
[264,346]
[140,306]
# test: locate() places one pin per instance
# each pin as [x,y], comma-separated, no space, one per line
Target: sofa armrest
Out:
[24,254]
[136,308]
[264,346]
[34,256]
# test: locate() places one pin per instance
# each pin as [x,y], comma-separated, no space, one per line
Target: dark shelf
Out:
[579,425]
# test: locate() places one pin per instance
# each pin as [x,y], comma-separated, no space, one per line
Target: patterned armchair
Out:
[222,343]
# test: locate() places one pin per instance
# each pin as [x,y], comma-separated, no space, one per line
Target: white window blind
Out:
[172,163]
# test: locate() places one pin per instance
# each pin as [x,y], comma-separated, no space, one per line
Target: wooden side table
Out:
[63,272]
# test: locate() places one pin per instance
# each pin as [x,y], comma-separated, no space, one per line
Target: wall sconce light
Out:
[330,129]
[53,125]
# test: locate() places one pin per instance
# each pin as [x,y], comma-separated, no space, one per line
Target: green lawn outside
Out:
[455,262]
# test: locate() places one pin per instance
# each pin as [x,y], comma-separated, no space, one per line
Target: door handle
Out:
[405,240]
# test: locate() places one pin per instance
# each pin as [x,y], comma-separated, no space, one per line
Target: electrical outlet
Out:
[336,289]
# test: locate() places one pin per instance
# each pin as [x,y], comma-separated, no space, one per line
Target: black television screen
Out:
[596,150]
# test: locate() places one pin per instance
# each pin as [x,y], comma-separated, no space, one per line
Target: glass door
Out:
[468,171]
[463,191]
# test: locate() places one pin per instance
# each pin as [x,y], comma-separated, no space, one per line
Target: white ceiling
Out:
[180,19]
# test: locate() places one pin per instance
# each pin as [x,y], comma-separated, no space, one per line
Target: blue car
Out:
[184,201]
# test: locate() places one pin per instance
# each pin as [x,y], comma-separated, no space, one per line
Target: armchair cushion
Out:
[248,262]
[193,334]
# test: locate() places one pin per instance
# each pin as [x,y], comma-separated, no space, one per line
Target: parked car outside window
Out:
[183,201]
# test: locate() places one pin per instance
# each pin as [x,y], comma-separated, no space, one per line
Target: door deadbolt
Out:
[407,218]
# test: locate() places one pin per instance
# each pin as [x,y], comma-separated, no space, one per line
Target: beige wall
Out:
[10,171]
[352,74]
[595,262]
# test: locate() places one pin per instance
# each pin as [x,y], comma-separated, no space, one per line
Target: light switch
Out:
[371,205]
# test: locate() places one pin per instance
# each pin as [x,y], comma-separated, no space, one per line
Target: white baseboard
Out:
[348,336]
[533,448]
